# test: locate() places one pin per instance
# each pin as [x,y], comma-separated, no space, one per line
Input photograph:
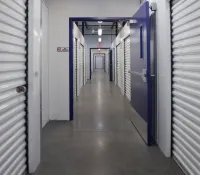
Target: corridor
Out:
[101,140]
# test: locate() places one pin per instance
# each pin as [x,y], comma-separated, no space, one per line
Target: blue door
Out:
[140,73]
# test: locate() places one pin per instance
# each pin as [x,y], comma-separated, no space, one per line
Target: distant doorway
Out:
[99,62]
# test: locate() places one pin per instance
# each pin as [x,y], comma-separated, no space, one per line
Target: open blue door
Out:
[140,73]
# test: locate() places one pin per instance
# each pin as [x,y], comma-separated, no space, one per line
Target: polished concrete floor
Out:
[101,140]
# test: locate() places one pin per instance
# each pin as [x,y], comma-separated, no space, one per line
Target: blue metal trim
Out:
[141,42]
[149,129]
[90,65]
[71,84]
[110,65]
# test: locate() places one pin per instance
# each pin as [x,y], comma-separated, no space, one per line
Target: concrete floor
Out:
[101,140]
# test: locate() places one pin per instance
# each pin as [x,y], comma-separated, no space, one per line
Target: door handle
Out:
[21,89]
[142,74]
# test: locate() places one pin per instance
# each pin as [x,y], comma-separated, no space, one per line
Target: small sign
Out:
[62,49]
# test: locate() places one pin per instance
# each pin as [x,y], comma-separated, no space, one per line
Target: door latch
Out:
[21,89]
[144,75]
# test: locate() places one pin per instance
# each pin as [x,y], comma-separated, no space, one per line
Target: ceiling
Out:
[109,28]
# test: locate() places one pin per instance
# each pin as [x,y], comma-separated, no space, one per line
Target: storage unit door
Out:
[127,68]
[80,67]
[13,159]
[186,84]
[75,67]
[83,63]
[118,66]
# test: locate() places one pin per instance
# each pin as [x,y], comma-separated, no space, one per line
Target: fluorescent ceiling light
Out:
[100,22]
[100,32]
[99,39]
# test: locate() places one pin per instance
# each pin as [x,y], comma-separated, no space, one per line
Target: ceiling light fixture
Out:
[100,22]
[99,49]
[99,39]
[100,32]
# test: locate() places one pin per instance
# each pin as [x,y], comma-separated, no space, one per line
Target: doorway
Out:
[137,19]
[95,52]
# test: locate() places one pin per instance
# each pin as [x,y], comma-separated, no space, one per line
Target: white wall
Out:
[45,65]
[59,13]
[34,121]
[163,76]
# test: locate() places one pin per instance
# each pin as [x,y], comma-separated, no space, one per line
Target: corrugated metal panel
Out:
[186,84]
[12,75]
[127,68]
[75,67]
[83,65]
[118,66]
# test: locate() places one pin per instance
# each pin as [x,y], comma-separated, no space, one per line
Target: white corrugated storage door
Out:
[118,66]
[75,67]
[83,65]
[12,76]
[186,84]
[127,67]
[80,67]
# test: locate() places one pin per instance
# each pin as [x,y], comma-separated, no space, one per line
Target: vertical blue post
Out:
[90,65]
[71,101]
[148,29]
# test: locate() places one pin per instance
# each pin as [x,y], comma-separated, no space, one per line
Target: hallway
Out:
[101,140]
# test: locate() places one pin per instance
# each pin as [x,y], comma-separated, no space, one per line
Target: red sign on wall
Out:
[62,49]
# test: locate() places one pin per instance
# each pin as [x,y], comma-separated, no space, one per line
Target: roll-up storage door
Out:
[127,67]
[83,65]
[80,66]
[75,67]
[13,46]
[118,80]
[186,84]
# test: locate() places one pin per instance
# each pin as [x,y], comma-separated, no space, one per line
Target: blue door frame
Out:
[92,57]
[138,17]
[110,66]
